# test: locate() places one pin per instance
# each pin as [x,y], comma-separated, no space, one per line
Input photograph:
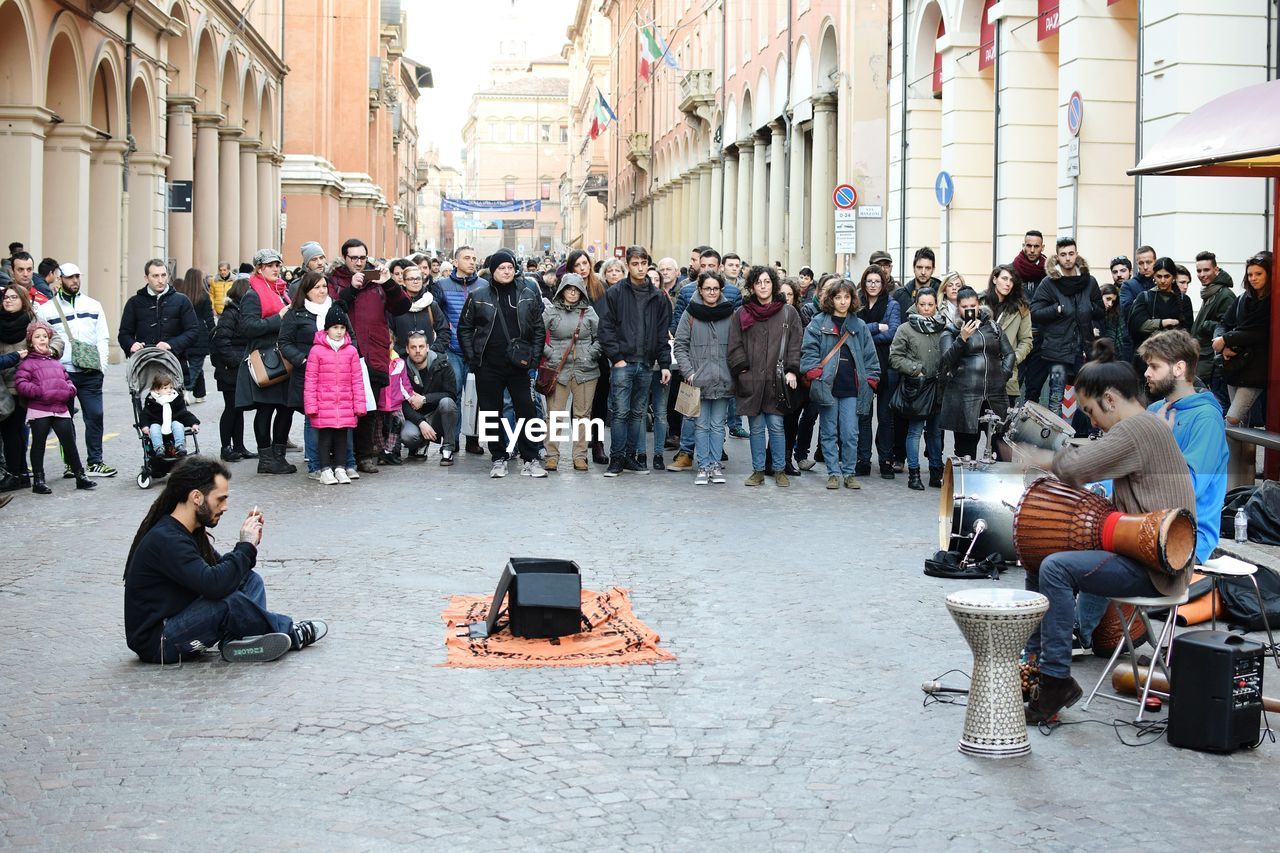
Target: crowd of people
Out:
[383,359]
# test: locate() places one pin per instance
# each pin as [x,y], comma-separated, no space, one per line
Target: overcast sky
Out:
[457,39]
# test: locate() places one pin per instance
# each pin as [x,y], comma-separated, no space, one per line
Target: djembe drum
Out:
[996,624]
[1054,517]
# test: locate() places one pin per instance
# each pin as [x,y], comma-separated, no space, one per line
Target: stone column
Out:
[968,102]
[662,219]
[742,235]
[22,151]
[677,216]
[821,221]
[759,207]
[66,189]
[797,208]
[692,231]
[704,205]
[267,205]
[180,148]
[228,195]
[729,223]
[277,226]
[146,178]
[205,216]
[777,193]
[101,263]
[716,234]
[249,196]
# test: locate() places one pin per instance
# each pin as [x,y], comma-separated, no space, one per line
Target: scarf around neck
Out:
[710,313]
[754,312]
[270,294]
[927,325]
[320,310]
[13,326]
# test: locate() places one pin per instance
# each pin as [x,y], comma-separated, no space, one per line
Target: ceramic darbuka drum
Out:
[1031,424]
[996,624]
[971,492]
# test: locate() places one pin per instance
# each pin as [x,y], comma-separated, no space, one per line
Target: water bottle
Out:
[1242,526]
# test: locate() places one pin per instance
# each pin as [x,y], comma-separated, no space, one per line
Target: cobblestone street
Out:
[791,720]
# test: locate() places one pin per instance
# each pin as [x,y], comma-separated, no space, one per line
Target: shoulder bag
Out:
[805,379]
[519,352]
[689,396]
[545,384]
[784,395]
[268,367]
[84,355]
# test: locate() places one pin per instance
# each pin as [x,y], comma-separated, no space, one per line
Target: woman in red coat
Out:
[333,395]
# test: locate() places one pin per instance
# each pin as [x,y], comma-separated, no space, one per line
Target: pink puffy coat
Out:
[42,383]
[333,395]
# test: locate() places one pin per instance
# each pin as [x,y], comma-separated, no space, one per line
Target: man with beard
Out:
[1067,308]
[181,597]
[1029,262]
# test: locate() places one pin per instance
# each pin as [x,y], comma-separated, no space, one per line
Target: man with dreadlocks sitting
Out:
[181,597]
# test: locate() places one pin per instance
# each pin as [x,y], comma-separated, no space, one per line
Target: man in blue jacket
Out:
[1142,279]
[454,290]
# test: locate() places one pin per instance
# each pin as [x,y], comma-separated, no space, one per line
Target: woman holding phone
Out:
[977,361]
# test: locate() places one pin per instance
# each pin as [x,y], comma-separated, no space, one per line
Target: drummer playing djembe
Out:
[1139,455]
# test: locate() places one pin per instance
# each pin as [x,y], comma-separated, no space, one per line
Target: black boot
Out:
[1053,695]
[913,480]
[83,482]
[38,486]
[9,482]
[285,466]
[598,456]
[271,461]
[935,477]
[886,470]
[230,454]
[245,453]
[862,469]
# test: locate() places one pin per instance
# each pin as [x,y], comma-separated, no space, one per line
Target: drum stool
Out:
[1163,644]
[1228,567]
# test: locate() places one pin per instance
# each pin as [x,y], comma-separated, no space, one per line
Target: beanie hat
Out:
[35,326]
[336,317]
[310,249]
[502,256]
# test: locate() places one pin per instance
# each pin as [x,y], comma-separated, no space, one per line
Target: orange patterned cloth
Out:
[616,636]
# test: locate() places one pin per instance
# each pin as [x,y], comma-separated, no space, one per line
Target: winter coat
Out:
[561,320]
[455,290]
[905,295]
[623,318]
[1215,301]
[205,322]
[819,339]
[435,381]
[977,369]
[1132,289]
[42,383]
[153,411]
[425,315]
[218,289]
[1066,309]
[702,351]
[297,335]
[480,316]
[753,359]
[916,353]
[731,294]
[259,333]
[1149,309]
[368,307]
[9,374]
[891,317]
[150,319]
[334,391]
[86,318]
[1246,328]
[1016,326]
[227,346]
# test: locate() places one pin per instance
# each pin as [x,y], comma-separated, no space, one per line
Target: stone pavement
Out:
[792,720]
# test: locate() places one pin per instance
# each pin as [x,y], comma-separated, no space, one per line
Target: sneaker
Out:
[635,465]
[353,474]
[807,464]
[781,479]
[703,477]
[313,475]
[851,482]
[390,459]
[67,473]
[535,470]
[717,474]
[658,464]
[340,474]
[499,469]
[756,478]
[682,462]
[643,459]
[188,397]
[446,457]
[328,478]
[291,446]
[739,432]
[367,466]
[99,469]
[260,649]
[862,469]
[308,632]
[1079,648]
[616,467]
[833,481]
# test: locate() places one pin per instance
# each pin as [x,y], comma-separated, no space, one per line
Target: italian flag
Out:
[604,114]
[652,50]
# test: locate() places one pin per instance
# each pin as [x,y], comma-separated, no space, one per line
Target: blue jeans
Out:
[932,442]
[89,394]
[628,402]
[309,447]
[157,437]
[840,417]
[767,428]
[1089,610]
[1063,575]
[460,372]
[709,432]
[1057,386]
[193,379]
[884,423]
[206,622]
[688,427]
[658,402]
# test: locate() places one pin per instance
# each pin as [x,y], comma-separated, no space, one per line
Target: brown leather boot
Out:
[1054,695]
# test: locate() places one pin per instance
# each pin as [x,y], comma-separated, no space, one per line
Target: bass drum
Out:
[977,491]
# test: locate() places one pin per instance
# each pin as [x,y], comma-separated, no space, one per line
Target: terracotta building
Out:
[350,128]
[584,188]
[103,104]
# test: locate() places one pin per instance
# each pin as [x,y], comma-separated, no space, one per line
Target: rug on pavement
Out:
[616,636]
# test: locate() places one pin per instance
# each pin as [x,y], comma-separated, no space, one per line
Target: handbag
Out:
[545,384]
[268,367]
[805,379]
[915,396]
[784,394]
[520,352]
[370,403]
[84,355]
[689,399]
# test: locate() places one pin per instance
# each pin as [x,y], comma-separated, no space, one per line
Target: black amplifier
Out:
[1215,698]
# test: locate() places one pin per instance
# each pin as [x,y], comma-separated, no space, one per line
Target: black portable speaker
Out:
[544,598]
[1215,698]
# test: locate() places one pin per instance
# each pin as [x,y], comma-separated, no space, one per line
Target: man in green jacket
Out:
[1216,296]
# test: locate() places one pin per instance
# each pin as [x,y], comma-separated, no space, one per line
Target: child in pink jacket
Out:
[333,394]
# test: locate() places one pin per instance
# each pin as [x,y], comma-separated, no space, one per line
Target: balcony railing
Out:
[638,150]
[697,93]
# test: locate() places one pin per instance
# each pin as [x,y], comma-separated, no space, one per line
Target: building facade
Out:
[436,182]
[104,104]
[584,187]
[516,146]
[350,128]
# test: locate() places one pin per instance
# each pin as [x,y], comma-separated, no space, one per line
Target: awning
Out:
[1236,135]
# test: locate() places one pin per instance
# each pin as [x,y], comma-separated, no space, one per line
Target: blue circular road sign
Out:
[944,189]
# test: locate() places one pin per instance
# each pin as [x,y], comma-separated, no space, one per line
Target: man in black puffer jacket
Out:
[1067,309]
[157,316]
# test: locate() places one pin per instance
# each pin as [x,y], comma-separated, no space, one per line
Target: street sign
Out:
[870,211]
[1075,113]
[1073,157]
[944,189]
[846,232]
[845,197]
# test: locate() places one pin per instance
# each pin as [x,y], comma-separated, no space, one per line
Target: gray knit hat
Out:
[310,249]
[266,256]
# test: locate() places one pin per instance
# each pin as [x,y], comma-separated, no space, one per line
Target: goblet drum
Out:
[996,624]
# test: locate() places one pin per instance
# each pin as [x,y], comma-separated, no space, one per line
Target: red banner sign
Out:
[987,39]
[937,59]
[1050,19]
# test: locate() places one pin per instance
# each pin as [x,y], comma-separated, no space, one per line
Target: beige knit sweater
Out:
[1147,470]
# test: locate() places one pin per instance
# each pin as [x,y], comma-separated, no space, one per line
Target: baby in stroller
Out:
[167,417]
